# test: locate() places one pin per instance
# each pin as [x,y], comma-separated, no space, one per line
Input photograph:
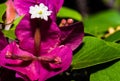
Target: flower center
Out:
[40,12]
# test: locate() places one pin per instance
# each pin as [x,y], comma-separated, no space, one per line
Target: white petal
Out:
[46,18]
[41,5]
[32,16]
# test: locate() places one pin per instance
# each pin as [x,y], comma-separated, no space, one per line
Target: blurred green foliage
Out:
[69,13]
[98,24]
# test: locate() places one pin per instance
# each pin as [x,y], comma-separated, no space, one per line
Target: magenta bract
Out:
[3,41]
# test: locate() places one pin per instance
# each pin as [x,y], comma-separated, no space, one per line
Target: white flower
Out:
[40,11]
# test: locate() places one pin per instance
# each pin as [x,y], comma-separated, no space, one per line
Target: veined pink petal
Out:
[65,53]
[72,35]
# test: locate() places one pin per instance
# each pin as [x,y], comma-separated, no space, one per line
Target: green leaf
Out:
[114,37]
[2,11]
[95,51]
[69,13]
[98,24]
[11,33]
[111,73]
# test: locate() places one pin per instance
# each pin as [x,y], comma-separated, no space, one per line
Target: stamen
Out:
[17,57]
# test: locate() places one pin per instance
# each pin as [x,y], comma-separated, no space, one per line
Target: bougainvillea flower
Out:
[44,49]
[48,63]
[51,37]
